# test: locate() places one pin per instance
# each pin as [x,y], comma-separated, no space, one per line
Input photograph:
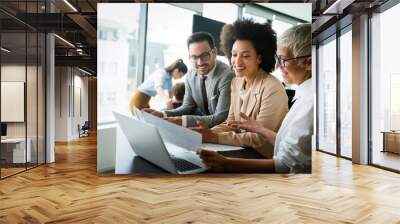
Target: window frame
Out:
[336,36]
[143,25]
[379,10]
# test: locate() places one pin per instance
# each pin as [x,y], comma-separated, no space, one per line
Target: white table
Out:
[18,149]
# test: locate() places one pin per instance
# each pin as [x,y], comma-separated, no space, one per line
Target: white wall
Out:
[61,103]
[71,102]
[12,73]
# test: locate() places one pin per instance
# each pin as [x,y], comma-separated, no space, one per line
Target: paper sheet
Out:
[136,112]
[220,148]
[181,136]
[173,133]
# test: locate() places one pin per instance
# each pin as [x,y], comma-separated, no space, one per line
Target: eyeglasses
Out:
[282,62]
[204,57]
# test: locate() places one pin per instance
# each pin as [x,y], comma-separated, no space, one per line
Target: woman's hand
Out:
[253,126]
[213,160]
[205,131]
[247,124]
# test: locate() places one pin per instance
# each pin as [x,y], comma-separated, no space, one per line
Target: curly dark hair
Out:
[262,36]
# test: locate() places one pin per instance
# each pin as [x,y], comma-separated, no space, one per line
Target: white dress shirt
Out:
[292,150]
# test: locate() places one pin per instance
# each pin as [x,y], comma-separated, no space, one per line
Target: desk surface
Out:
[127,162]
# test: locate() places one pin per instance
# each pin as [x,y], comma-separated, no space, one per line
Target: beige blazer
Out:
[267,105]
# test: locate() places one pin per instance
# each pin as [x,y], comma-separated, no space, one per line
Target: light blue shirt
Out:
[158,78]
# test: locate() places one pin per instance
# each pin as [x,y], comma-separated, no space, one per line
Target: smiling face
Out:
[245,60]
[202,56]
[293,72]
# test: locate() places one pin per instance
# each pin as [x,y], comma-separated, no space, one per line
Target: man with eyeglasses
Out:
[207,87]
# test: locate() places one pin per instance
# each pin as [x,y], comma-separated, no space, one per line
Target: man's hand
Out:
[175,120]
[205,131]
[153,112]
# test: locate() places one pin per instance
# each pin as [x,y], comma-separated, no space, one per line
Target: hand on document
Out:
[153,112]
[175,120]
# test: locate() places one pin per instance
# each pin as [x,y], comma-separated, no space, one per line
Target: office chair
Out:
[84,130]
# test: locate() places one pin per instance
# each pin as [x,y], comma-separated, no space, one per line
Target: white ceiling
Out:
[299,10]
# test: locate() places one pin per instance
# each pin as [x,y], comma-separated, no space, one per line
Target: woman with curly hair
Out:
[251,48]
[292,143]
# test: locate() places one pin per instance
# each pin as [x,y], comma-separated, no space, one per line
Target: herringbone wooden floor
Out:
[70,191]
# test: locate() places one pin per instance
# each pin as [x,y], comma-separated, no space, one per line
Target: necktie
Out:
[204,94]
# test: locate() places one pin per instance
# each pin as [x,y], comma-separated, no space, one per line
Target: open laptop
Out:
[147,143]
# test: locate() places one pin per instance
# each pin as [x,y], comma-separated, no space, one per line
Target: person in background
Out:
[255,92]
[292,143]
[158,84]
[178,91]
[207,87]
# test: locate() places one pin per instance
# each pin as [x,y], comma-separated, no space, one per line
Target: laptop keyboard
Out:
[183,165]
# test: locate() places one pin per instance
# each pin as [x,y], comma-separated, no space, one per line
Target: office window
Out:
[118,36]
[327,96]
[22,80]
[167,34]
[255,18]
[114,35]
[346,94]
[385,89]
[223,12]
[13,84]
[103,34]
[280,26]
[247,13]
